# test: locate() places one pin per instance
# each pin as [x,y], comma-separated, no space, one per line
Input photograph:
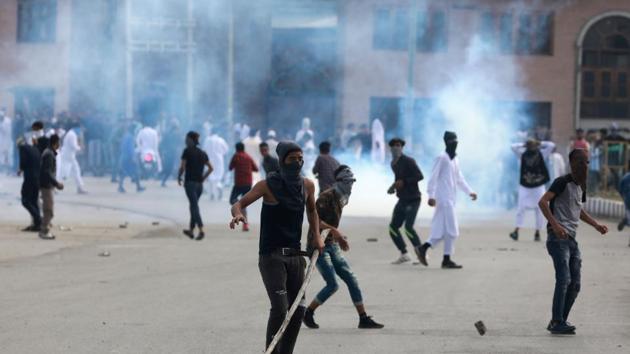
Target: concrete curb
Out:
[605,208]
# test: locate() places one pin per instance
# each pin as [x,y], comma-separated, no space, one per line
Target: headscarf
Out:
[287,186]
[344,179]
[450,139]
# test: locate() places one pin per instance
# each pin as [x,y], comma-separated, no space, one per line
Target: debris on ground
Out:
[104,254]
[481,327]
[155,223]
[65,228]
[372,239]
[123,225]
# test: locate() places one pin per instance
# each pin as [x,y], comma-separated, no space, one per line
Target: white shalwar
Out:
[216,148]
[148,140]
[68,164]
[445,178]
[528,198]
[378,142]
[6,141]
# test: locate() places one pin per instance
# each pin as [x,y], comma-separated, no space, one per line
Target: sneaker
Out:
[622,224]
[31,228]
[189,233]
[404,258]
[537,236]
[140,189]
[562,328]
[514,235]
[451,265]
[200,236]
[46,236]
[121,190]
[552,323]
[309,320]
[245,227]
[367,322]
[81,191]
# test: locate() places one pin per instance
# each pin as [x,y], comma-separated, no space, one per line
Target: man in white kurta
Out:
[446,177]
[147,140]
[533,177]
[68,164]
[6,140]
[378,142]
[216,147]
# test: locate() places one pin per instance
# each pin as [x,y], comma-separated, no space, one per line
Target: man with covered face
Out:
[445,178]
[534,176]
[407,175]
[331,262]
[562,206]
[286,195]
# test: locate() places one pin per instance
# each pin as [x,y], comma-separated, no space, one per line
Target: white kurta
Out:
[445,178]
[558,166]
[147,139]
[378,142]
[6,140]
[216,148]
[528,198]
[69,166]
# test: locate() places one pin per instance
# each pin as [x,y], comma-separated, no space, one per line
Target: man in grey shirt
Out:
[325,167]
[562,206]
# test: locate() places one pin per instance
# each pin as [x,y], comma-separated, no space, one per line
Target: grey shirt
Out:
[324,169]
[566,205]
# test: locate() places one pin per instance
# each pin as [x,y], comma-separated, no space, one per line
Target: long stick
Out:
[294,306]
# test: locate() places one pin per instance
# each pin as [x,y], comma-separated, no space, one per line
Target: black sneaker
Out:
[552,323]
[537,236]
[32,228]
[514,235]
[309,320]
[421,252]
[622,224]
[121,190]
[451,265]
[189,233]
[367,322]
[562,328]
[200,236]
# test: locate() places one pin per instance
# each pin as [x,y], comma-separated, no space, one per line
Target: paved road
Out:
[159,292]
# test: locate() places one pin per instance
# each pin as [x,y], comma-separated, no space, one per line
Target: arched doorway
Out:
[603,92]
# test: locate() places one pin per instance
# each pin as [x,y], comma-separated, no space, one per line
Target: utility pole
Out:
[408,114]
[230,74]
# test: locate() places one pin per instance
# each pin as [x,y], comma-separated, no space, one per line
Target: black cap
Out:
[396,141]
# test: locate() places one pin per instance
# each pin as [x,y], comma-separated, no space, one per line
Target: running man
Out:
[407,175]
[562,206]
[331,262]
[285,197]
[244,168]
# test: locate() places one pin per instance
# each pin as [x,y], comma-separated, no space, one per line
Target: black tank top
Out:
[280,227]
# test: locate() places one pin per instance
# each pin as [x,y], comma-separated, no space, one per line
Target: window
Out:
[391,30]
[523,33]
[605,70]
[36,21]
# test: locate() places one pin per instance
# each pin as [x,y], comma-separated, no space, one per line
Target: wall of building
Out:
[369,72]
[38,65]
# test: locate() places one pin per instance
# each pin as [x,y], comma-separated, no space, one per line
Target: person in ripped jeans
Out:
[562,206]
[331,262]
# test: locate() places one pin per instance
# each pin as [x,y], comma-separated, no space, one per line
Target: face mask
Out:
[38,133]
[291,170]
[396,151]
[451,148]
[190,143]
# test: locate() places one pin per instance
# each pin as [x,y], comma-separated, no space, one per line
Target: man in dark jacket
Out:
[48,183]
[30,160]
[407,175]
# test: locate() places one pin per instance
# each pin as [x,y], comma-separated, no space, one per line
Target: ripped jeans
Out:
[331,263]
[283,277]
[567,262]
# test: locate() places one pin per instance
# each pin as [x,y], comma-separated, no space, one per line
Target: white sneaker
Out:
[46,236]
[404,258]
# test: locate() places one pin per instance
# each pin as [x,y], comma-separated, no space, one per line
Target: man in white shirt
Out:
[216,147]
[6,140]
[68,164]
[272,141]
[147,140]
[442,189]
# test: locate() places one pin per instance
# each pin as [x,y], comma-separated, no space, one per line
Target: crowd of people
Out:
[277,170]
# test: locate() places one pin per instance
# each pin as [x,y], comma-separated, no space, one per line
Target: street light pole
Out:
[408,114]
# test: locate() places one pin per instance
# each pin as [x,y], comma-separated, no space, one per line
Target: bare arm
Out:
[208,170]
[311,214]
[543,204]
[336,234]
[180,173]
[587,218]
[259,190]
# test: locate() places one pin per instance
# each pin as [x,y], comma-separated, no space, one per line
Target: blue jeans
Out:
[193,192]
[567,262]
[330,263]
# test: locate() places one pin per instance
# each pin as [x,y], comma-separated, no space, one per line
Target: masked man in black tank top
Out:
[286,195]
